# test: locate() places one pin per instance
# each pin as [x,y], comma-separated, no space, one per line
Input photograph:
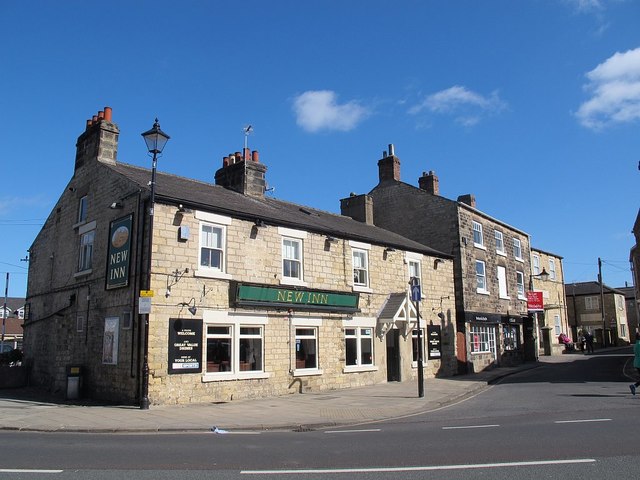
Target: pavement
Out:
[26,409]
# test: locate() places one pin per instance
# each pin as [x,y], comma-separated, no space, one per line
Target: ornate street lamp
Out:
[155,139]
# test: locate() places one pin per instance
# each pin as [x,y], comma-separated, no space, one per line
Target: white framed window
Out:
[552,269]
[358,346]
[478,239]
[481,277]
[83,208]
[415,270]
[482,339]
[623,329]
[234,346]
[520,285]
[212,243]
[592,303]
[557,325]
[306,348]
[414,345]
[360,268]
[502,282]
[499,242]
[517,249]
[535,260]
[292,259]
[86,251]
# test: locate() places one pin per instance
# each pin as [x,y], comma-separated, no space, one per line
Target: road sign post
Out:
[416,296]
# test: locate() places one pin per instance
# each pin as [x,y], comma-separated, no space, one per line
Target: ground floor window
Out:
[482,339]
[232,348]
[359,346]
[414,344]
[510,337]
[307,347]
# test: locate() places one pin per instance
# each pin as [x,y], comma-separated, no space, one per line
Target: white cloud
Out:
[466,106]
[586,6]
[319,110]
[615,92]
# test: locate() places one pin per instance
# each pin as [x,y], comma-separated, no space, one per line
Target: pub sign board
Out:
[119,252]
[434,342]
[185,345]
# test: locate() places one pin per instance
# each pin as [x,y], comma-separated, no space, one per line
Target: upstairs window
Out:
[481,277]
[360,268]
[414,271]
[499,242]
[517,249]
[212,246]
[292,258]
[86,251]
[592,303]
[82,209]
[520,284]
[478,239]
[552,269]
[536,264]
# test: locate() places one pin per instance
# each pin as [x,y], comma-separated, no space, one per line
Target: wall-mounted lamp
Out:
[259,223]
[183,209]
[116,206]
[331,239]
[389,249]
[436,262]
[192,308]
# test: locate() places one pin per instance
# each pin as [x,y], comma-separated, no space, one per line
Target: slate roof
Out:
[588,288]
[214,198]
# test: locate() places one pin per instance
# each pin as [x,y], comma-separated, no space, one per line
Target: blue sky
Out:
[533,106]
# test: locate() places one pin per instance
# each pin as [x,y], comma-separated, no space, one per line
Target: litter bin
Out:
[74,382]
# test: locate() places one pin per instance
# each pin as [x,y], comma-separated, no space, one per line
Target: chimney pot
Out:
[101,115]
[245,154]
[225,162]
[429,183]
[94,119]
[255,156]
[107,114]
[391,149]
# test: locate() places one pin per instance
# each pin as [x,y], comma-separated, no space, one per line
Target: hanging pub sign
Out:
[119,252]
[434,342]
[185,345]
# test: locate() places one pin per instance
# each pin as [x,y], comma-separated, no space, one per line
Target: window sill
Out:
[83,273]
[483,292]
[360,368]
[306,372]
[505,298]
[519,259]
[501,253]
[521,298]
[212,274]
[481,247]
[362,288]
[295,282]
[220,377]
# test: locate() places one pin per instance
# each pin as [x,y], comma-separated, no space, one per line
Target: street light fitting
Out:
[155,139]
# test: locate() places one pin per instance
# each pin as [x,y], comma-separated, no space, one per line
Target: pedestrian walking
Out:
[636,363]
[588,338]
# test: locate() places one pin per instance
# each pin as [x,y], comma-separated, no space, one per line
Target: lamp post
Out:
[155,139]
[544,276]
[416,296]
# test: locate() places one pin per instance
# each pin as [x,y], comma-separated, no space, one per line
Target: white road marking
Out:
[23,470]
[584,421]
[354,431]
[420,469]
[469,426]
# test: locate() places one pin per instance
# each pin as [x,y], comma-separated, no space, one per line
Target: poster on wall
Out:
[110,341]
[119,252]
[185,345]
[434,341]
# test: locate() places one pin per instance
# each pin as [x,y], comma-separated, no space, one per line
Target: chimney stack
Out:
[99,141]
[243,173]
[429,183]
[358,207]
[468,199]
[389,166]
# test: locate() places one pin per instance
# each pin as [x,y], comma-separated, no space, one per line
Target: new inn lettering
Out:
[119,253]
[263,295]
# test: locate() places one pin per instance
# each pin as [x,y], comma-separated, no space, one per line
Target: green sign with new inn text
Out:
[301,299]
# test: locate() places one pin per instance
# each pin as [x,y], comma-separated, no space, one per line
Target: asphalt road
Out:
[570,420]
